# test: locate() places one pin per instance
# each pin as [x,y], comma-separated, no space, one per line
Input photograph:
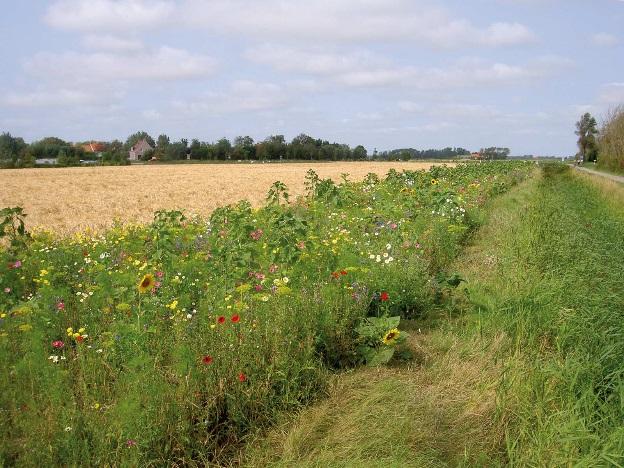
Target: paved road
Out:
[616,178]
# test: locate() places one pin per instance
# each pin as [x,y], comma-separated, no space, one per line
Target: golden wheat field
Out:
[67,200]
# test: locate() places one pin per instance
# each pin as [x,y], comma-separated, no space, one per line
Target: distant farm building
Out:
[138,150]
[93,147]
[476,156]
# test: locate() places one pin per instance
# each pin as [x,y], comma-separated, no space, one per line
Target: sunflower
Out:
[147,283]
[391,337]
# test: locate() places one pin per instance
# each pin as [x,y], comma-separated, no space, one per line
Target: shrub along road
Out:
[523,365]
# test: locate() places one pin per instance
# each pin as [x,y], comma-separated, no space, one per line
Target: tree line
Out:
[15,152]
[406,154]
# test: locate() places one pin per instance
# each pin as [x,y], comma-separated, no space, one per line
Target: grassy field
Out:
[72,199]
[523,365]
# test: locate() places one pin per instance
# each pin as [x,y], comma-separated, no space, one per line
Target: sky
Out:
[382,73]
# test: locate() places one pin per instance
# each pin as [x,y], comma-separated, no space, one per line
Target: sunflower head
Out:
[146,284]
[391,337]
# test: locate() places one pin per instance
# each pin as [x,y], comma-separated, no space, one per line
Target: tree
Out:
[586,129]
[495,153]
[275,147]
[11,149]
[359,153]
[115,154]
[611,140]
[223,149]
[244,148]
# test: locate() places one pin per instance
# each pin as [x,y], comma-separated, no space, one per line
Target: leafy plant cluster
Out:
[167,343]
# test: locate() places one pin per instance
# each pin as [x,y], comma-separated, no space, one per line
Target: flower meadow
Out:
[167,343]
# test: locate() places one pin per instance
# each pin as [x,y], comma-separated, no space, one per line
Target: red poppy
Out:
[221,319]
[343,272]
[207,359]
[384,296]
[80,338]
[335,275]
[235,318]
[242,377]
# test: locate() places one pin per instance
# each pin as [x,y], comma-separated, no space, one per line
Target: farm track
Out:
[613,177]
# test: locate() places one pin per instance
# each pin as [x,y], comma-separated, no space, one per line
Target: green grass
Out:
[524,367]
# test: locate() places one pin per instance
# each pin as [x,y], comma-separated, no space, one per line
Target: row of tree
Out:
[406,154]
[275,148]
[14,152]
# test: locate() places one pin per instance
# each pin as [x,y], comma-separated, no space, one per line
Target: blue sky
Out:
[382,73]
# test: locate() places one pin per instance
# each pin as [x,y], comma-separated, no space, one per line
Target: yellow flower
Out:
[147,283]
[391,337]
[25,327]
[173,305]
[434,182]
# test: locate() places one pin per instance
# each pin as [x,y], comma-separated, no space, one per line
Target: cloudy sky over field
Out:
[383,73]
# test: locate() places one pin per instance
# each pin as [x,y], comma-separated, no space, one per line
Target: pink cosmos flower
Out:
[58,344]
[273,268]
[60,305]
[7,290]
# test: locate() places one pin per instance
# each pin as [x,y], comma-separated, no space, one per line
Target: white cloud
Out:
[612,94]
[112,43]
[363,69]
[242,96]
[108,15]
[165,63]
[604,40]
[410,106]
[316,62]
[52,98]
[321,20]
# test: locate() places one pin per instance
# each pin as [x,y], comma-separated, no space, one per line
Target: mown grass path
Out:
[614,177]
[523,367]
